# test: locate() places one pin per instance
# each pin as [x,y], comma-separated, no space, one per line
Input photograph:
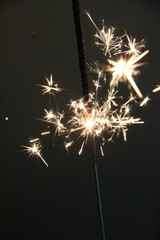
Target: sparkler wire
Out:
[98,188]
[85,89]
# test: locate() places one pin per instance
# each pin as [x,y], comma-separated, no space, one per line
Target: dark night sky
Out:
[37,38]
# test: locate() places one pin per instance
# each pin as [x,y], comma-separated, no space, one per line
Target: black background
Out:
[38,38]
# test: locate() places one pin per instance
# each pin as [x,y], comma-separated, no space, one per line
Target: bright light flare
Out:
[89,123]
[124,69]
[49,115]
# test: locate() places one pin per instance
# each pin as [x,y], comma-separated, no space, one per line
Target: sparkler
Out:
[93,116]
[97,117]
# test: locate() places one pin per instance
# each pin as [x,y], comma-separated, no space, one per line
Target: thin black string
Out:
[80,46]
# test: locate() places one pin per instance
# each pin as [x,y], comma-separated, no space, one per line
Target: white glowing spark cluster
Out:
[51,87]
[101,116]
[35,150]
[56,120]
[133,46]
[106,39]
[123,66]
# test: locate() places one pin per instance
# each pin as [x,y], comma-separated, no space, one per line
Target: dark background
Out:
[37,38]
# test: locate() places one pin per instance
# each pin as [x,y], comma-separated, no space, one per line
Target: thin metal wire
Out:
[98,188]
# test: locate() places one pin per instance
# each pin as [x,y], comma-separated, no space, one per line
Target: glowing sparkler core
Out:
[104,119]
[89,123]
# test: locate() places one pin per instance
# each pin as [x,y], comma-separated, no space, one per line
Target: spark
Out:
[102,153]
[145,101]
[124,69]
[156,89]
[96,84]
[56,120]
[50,87]
[133,46]
[58,124]
[49,115]
[98,69]
[111,98]
[35,150]
[106,39]
[81,149]
[45,133]
[34,140]
[68,144]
